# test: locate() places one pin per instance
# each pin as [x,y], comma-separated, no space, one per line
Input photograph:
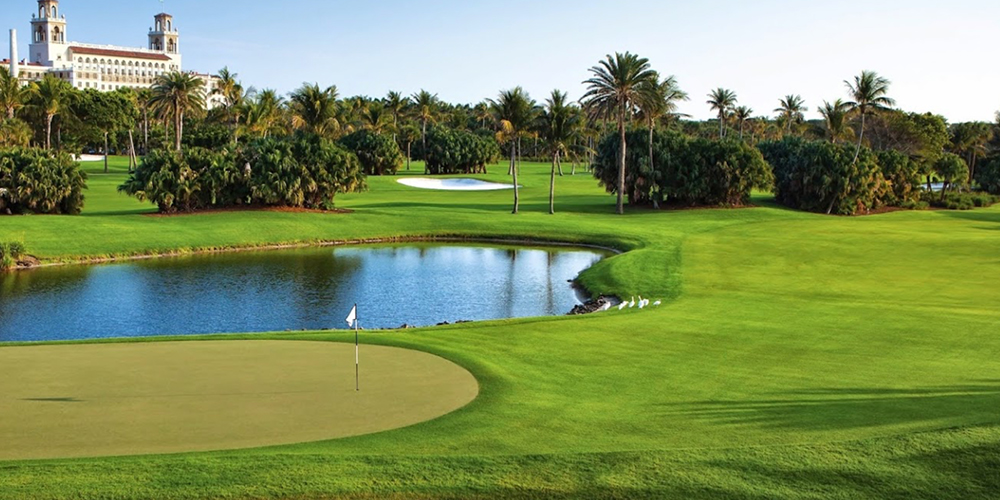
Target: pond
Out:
[312,288]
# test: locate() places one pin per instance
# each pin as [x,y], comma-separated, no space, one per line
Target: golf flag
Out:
[351,318]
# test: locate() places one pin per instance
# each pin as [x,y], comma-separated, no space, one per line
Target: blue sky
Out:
[940,56]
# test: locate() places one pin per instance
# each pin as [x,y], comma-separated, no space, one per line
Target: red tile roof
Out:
[118,53]
[6,62]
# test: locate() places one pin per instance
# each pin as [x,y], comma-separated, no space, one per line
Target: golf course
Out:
[794,356]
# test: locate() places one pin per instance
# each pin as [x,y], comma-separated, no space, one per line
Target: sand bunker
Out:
[454,184]
[86,158]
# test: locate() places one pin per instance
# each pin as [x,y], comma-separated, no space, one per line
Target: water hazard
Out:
[313,288]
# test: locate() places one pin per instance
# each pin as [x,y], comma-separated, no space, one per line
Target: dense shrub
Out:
[456,151]
[202,134]
[684,170]
[819,176]
[299,171]
[39,181]
[902,176]
[952,200]
[379,154]
[14,133]
[988,175]
[10,252]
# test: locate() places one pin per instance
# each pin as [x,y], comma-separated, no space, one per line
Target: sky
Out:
[939,55]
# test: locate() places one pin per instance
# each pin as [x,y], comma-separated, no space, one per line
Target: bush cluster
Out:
[302,171]
[956,200]
[988,175]
[823,177]
[689,171]
[452,151]
[379,154]
[38,181]
[10,252]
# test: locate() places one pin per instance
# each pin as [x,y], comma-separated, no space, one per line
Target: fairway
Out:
[125,399]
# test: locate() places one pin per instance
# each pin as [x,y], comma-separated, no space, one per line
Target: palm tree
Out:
[51,97]
[559,129]
[482,113]
[176,93]
[971,140]
[722,100]
[375,118]
[835,118]
[426,109]
[395,103]
[615,90]
[232,94]
[13,95]
[315,109]
[264,113]
[790,111]
[659,99]
[515,111]
[742,114]
[869,93]
[409,134]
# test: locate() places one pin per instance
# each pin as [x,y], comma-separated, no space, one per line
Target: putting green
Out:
[128,399]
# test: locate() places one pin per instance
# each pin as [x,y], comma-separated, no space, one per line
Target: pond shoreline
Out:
[37,263]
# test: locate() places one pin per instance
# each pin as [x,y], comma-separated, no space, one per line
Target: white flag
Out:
[351,318]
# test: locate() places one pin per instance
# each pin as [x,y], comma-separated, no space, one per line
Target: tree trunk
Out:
[722,125]
[106,152]
[861,137]
[620,205]
[48,131]
[552,184]
[145,132]
[513,157]
[133,160]
[408,144]
[423,141]
[180,130]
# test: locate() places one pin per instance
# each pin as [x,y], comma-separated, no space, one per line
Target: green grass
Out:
[799,356]
[102,399]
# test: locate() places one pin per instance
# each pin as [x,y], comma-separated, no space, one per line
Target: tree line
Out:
[623,96]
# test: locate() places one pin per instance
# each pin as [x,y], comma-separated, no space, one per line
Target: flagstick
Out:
[357,360]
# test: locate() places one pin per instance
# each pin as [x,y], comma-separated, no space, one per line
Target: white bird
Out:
[632,304]
[605,307]
[642,303]
[622,305]
[657,303]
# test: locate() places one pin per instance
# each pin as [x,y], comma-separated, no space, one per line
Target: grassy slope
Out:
[800,356]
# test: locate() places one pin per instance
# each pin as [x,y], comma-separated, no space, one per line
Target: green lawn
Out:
[798,356]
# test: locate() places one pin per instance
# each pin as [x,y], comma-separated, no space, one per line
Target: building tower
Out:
[48,35]
[163,37]
[14,71]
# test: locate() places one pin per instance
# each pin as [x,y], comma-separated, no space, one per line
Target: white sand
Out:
[89,158]
[454,184]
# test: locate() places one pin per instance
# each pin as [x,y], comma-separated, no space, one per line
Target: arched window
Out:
[40,35]
[55,13]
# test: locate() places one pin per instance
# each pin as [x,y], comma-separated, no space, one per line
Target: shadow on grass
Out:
[979,215]
[839,409]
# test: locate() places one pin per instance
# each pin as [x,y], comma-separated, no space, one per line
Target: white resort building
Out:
[100,67]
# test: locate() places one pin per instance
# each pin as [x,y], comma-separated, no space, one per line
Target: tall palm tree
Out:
[51,97]
[722,100]
[315,109]
[408,134]
[395,104]
[870,94]
[13,95]
[659,100]
[790,111]
[176,93]
[426,105]
[835,118]
[615,90]
[559,129]
[515,111]
[232,94]
[742,114]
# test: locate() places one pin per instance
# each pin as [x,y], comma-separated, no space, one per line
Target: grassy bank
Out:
[798,356]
